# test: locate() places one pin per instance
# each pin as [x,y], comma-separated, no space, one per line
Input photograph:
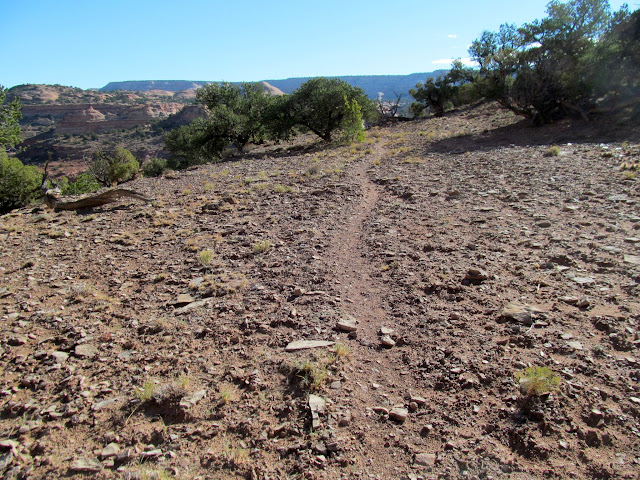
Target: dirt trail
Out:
[352,272]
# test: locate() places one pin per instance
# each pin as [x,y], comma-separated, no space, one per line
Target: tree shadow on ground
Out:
[602,129]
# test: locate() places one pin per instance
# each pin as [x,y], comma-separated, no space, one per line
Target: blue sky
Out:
[88,43]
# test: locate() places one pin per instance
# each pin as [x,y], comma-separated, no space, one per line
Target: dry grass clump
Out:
[537,381]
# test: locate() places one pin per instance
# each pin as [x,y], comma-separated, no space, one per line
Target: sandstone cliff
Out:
[83,118]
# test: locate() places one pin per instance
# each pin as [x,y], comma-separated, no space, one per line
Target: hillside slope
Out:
[434,261]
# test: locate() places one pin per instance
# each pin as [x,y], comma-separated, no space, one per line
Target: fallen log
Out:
[97,200]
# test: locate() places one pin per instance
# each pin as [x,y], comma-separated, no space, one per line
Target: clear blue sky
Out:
[89,43]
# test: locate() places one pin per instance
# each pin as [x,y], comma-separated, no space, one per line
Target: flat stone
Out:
[347,324]
[85,350]
[418,400]
[85,465]
[583,280]
[105,403]
[518,312]
[398,414]
[476,275]
[571,300]
[425,459]
[575,345]
[543,224]
[621,197]
[151,453]
[126,454]
[192,306]
[316,405]
[183,299]
[632,259]
[110,450]
[632,240]
[387,341]
[304,344]
[59,357]
[381,410]
[386,331]
[191,400]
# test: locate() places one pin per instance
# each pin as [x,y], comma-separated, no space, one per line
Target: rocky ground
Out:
[424,269]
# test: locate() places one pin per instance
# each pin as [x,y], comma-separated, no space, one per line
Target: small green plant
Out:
[262,247]
[283,188]
[151,472]
[537,381]
[342,352]
[154,167]
[227,393]
[552,151]
[145,394]
[205,257]
[312,374]
[184,381]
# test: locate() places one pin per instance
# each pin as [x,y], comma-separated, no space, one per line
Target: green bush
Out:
[154,167]
[85,183]
[19,184]
[318,105]
[114,169]
[579,58]
[352,123]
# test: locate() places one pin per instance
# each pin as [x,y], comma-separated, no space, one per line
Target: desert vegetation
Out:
[580,59]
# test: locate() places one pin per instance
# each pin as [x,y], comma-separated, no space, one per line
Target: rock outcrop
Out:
[83,118]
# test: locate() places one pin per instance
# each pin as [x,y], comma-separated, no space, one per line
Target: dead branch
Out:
[98,200]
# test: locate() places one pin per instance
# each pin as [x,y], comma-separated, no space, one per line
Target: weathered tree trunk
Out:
[98,200]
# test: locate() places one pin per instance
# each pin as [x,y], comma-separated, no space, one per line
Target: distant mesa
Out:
[372,85]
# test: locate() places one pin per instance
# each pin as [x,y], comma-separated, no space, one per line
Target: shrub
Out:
[85,183]
[111,170]
[552,151]
[312,375]
[205,257]
[537,380]
[318,105]
[262,247]
[154,167]
[19,184]
[352,123]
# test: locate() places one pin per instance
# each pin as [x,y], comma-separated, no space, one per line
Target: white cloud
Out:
[452,35]
[448,61]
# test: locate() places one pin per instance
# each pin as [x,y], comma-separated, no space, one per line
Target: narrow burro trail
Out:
[379,391]
[345,257]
